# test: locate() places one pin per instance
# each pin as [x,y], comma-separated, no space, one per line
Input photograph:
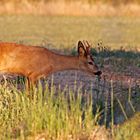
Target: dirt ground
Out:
[71,78]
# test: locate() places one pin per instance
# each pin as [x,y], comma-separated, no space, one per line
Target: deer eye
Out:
[90,63]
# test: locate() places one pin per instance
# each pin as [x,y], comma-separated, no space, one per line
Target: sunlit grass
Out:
[63,32]
[129,130]
[62,114]
[59,115]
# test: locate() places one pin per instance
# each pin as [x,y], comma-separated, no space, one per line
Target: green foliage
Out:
[59,115]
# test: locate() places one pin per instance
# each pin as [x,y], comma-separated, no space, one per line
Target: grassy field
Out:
[64,32]
[45,115]
[67,113]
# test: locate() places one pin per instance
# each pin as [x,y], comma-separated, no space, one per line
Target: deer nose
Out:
[98,73]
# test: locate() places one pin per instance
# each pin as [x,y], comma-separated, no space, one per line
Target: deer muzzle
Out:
[98,73]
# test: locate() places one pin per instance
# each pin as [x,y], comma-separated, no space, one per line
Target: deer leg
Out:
[32,83]
[29,85]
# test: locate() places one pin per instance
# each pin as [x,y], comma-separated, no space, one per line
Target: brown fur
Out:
[35,62]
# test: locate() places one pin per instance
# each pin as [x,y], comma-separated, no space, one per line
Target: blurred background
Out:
[61,23]
[71,7]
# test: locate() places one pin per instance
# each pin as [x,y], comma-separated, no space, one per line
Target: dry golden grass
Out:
[74,8]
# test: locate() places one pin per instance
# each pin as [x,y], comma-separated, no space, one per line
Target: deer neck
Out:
[61,62]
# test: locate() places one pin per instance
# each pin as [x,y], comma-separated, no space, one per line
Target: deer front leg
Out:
[29,85]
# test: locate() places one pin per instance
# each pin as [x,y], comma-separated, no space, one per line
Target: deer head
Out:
[86,61]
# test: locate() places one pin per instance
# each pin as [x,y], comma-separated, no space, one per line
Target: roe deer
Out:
[34,62]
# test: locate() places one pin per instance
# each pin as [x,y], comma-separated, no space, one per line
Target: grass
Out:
[64,114]
[63,32]
[56,113]
[129,130]
[71,7]
[58,116]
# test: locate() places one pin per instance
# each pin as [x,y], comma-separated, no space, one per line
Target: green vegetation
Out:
[60,115]
[129,130]
[63,113]
[64,32]
[55,113]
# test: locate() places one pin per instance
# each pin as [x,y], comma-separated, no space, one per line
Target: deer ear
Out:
[81,49]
